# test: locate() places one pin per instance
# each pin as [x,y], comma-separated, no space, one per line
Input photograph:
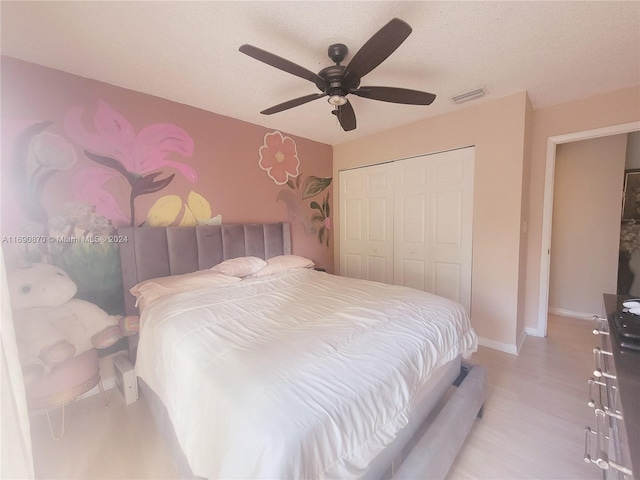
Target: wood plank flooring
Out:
[532,427]
[536,410]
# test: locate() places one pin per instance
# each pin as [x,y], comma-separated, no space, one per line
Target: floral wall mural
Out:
[81,158]
[279,158]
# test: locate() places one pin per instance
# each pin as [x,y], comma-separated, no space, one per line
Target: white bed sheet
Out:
[298,375]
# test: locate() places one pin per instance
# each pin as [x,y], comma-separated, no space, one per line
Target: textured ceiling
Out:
[188,52]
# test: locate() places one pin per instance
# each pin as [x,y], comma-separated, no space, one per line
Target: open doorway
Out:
[545,260]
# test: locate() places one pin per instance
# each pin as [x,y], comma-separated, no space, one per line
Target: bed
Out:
[296,374]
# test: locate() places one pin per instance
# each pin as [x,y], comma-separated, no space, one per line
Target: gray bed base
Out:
[422,451]
[425,449]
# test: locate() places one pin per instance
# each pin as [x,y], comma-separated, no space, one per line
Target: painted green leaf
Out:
[316,206]
[314,185]
[327,210]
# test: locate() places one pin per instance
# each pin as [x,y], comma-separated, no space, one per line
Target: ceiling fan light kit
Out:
[337,81]
[337,100]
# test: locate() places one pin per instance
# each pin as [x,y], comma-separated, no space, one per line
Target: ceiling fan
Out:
[338,81]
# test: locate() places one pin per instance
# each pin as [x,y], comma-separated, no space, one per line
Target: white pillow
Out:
[240,267]
[150,290]
[283,263]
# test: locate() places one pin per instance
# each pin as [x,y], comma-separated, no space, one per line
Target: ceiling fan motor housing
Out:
[334,81]
[337,52]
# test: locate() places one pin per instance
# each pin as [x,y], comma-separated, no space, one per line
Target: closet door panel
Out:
[412,224]
[378,269]
[447,278]
[451,238]
[366,223]
[351,266]
[413,274]
[433,234]
[353,220]
[409,222]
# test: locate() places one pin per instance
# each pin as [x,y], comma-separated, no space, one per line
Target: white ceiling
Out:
[188,52]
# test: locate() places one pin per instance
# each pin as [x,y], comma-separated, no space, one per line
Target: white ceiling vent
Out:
[468,96]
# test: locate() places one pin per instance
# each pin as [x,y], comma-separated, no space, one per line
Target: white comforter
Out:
[297,375]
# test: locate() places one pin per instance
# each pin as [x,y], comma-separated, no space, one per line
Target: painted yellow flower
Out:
[164,212]
[197,210]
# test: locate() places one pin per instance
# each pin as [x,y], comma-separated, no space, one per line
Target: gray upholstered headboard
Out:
[151,252]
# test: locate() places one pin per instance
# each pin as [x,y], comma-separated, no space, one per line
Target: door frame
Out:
[547,207]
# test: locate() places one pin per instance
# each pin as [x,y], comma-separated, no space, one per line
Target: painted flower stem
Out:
[140,185]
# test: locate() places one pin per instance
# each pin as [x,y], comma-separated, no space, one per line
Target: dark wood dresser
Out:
[613,443]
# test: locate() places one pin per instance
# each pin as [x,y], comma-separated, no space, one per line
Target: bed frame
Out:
[425,449]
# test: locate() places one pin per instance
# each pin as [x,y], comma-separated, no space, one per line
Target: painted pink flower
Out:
[279,157]
[142,153]
[89,185]
[127,154]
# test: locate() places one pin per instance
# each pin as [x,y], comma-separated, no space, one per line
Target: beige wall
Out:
[497,129]
[633,150]
[586,223]
[607,109]
[524,224]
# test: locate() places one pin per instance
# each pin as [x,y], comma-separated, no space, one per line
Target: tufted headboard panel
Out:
[151,252]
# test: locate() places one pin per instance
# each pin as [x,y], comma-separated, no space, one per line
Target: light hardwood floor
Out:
[532,427]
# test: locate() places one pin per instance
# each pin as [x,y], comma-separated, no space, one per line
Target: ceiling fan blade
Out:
[395,95]
[383,43]
[281,63]
[292,103]
[347,117]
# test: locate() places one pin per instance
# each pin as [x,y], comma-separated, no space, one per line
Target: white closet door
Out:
[433,223]
[366,223]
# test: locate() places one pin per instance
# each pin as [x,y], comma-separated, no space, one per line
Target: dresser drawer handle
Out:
[600,326]
[598,372]
[601,459]
[596,402]
[593,382]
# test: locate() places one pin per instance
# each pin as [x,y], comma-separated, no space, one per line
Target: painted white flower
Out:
[48,150]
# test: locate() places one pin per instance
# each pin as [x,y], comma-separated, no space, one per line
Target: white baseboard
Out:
[506,347]
[523,336]
[563,312]
[502,347]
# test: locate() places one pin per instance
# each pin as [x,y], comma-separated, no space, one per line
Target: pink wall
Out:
[225,155]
